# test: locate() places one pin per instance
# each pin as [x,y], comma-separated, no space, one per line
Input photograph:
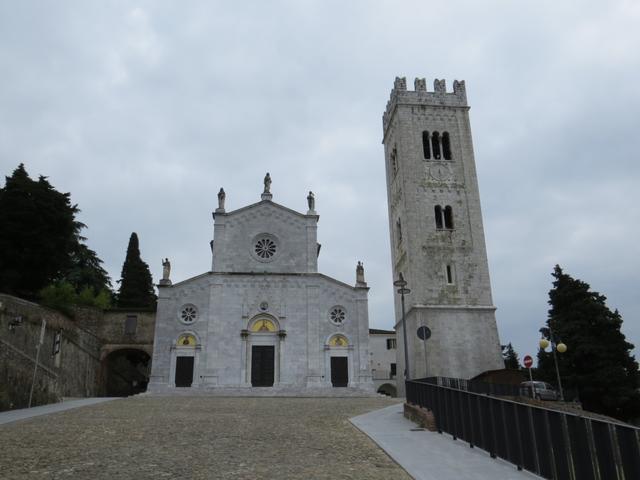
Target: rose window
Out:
[188,314]
[337,315]
[265,248]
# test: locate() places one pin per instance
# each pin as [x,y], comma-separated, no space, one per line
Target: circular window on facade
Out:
[264,247]
[188,314]
[337,315]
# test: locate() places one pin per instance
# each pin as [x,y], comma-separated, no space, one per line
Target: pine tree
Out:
[598,363]
[38,233]
[86,271]
[40,243]
[510,357]
[136,284]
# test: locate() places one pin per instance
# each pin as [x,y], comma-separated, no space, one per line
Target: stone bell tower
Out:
[437,238]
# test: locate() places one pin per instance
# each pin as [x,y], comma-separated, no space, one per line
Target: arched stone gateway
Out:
[388,389]
[125,371]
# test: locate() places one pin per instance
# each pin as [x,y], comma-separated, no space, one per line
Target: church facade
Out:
[263,318]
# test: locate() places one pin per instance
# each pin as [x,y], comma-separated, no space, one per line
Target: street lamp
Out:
[402,283]
[555,345]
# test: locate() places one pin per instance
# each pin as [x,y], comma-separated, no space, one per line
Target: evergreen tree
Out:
[38,233]
[86,270]
[598,363]
[41,245]
[510,357]
[136,285]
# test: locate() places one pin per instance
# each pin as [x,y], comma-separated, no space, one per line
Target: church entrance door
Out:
[184,371]
[339,371]
[262,357]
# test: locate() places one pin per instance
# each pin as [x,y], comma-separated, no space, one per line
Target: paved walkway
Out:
[24,413]
[432,456]
[153,437]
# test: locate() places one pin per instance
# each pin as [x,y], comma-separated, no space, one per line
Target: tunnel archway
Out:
[388,389]
[126,372]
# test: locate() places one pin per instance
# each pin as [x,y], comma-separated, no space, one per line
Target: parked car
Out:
[541,390]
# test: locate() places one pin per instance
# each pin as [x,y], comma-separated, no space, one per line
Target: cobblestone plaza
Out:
[148,437]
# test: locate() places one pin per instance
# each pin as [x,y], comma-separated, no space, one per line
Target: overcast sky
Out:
[143,110]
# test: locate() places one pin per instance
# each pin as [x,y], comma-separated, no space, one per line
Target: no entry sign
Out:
[527,361]
[424,333]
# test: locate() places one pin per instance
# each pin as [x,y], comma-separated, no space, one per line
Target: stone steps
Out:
[262,392]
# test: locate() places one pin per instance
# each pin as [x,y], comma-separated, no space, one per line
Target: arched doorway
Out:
[185,360]
[338,358]
[126,372]
[388,389]
[262,347]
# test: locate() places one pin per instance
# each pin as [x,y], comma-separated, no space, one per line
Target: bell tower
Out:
[437,237]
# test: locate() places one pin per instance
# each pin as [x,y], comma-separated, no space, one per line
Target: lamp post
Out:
[402,283]
[555,345]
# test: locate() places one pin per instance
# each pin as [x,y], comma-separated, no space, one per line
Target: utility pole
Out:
[35,367]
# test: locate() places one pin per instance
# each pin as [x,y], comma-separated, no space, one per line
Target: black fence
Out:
[550,443]
[476,386]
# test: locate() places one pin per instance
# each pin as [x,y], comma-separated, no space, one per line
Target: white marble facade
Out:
[263,317]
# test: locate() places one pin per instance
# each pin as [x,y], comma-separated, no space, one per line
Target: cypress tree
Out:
[136,285]
[510,357]
[598,363]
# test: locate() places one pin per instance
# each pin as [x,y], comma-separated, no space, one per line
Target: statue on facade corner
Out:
[221,198]
[267,183]
[311,200]
[166,269]
[360,273]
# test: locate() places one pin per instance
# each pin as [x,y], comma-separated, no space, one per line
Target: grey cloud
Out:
[142,113]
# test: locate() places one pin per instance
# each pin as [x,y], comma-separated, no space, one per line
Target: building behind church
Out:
[263,316]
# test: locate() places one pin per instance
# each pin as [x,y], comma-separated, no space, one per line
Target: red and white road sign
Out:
[527,361]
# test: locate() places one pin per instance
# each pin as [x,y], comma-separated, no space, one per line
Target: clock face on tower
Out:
[440,172]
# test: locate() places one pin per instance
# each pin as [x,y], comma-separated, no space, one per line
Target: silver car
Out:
[541,390]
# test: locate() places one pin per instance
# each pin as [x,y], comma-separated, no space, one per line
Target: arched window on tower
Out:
[446,146]
[435,145]
[399,231]
[438,216]
[426,148]
[449,274]
[448,217]
[394,160]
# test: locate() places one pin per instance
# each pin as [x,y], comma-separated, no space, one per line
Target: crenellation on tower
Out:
[400,84]
[420,96]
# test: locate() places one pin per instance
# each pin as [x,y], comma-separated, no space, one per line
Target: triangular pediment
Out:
[267,204]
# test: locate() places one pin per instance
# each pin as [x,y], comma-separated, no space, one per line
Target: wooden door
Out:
[262,365]
[339,371]
[184,371]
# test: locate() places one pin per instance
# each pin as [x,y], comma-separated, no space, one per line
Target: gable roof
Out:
[376,331]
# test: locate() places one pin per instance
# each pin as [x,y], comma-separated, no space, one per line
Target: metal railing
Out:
[550,443]
[477,386]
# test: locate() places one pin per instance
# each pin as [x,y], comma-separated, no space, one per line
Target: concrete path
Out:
[15,415]
[429,455]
